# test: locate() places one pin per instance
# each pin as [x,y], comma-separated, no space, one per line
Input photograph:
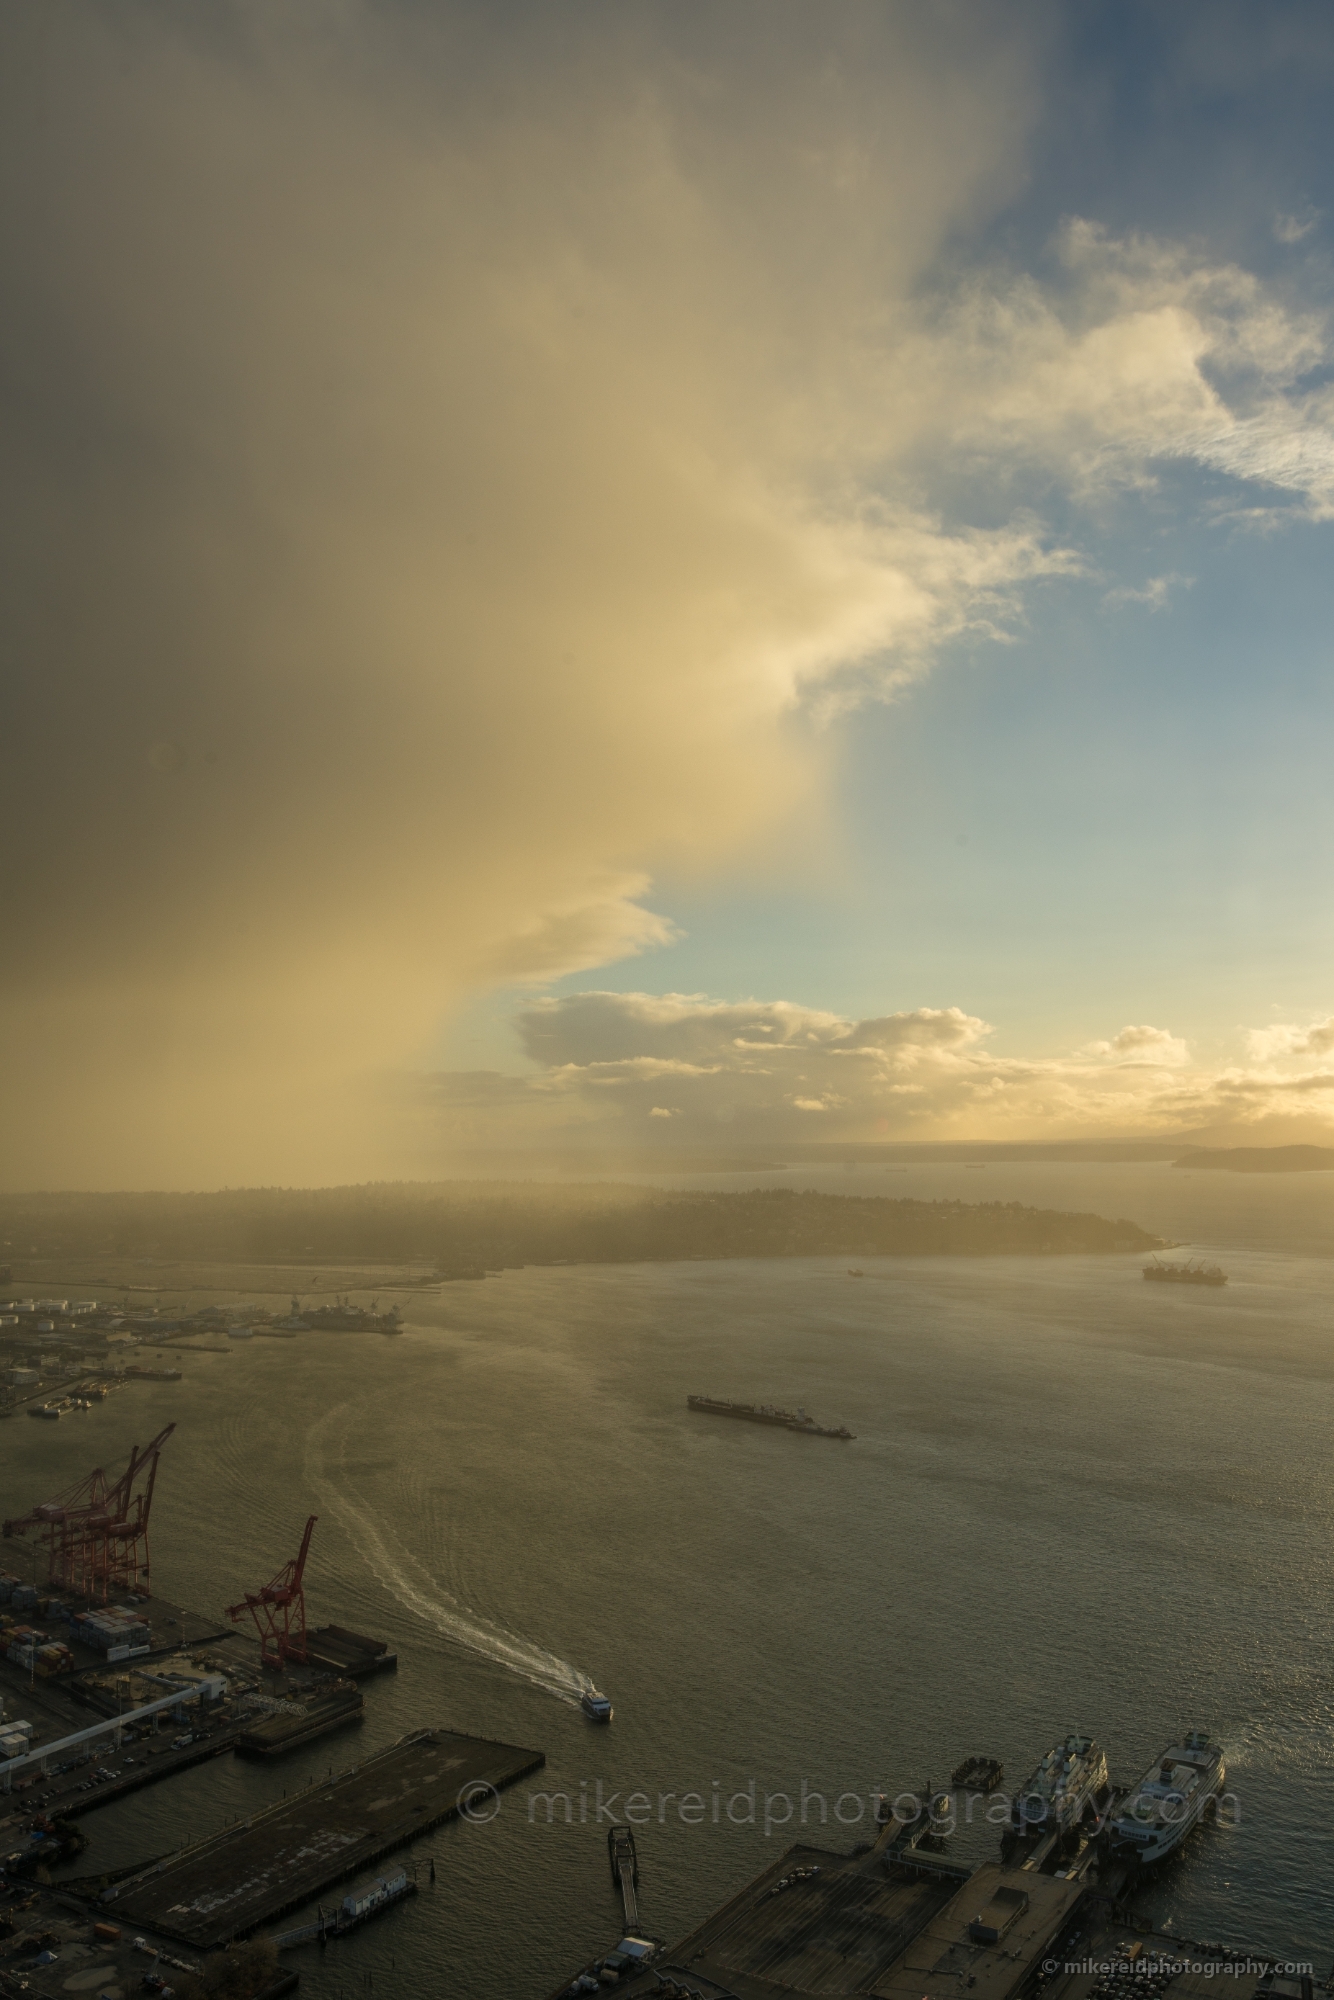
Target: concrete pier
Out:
[297,1850]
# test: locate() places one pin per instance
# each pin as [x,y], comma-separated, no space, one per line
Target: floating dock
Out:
[295,1851]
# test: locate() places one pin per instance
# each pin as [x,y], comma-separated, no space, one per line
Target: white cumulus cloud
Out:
[761,1071]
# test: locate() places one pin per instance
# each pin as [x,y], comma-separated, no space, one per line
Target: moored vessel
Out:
[1071,1779]
[1171,1797]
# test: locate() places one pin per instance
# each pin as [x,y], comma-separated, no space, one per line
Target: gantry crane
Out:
[96,1533]
[279,1609]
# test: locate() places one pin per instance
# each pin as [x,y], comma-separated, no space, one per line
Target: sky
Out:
[636,577]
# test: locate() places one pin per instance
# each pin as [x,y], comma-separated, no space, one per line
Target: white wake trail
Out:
[436,1607]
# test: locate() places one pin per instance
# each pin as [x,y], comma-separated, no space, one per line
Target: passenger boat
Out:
[1171,1797]
[1071,1778]
[595,1706]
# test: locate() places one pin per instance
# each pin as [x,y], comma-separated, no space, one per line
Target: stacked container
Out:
[24,1641]
[113,1630]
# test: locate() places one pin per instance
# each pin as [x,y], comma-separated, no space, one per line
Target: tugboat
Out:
[1170,1798]
[595,1706]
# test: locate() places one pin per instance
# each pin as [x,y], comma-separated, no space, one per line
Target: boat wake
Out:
[419,1593]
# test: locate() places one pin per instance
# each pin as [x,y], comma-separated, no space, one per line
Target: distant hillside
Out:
[459,1225]
[1261,1159]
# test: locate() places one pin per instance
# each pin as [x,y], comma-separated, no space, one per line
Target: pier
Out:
[295,1851]
[900,1925]
[624,1870]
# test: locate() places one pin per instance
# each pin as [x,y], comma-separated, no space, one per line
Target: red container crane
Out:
[96,1533]
[279,1609]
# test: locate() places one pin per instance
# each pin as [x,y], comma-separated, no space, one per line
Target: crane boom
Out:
[96,1532]
[279,1609]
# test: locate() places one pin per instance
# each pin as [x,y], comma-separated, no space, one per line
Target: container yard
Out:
[106,1688]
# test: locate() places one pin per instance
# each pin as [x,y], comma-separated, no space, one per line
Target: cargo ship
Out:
[1185,1274]
[1171,1797]
[767,1413]
[1071,1778]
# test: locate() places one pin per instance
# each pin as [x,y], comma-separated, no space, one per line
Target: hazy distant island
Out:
[1261,1159]
[463,1227]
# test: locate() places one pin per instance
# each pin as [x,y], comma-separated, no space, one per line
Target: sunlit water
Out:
[1074,1501]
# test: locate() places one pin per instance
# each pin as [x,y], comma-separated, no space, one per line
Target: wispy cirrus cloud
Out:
[1154,595]
[1296,228]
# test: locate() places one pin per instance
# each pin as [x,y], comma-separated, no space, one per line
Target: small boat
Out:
[49,1410]
[595,1706]
[855,1274]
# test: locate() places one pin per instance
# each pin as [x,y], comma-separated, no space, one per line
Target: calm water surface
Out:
[1074,1501]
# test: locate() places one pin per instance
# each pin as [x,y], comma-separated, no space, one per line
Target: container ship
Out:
[767,1413]
[1185,1274]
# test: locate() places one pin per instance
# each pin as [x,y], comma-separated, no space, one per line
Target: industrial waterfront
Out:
[514,1496]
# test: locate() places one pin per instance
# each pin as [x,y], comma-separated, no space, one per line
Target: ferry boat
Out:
[1171,1796]
[1071,1778]
[595,1706]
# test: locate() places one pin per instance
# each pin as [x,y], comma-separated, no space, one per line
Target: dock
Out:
[894,1923]
[318,1715]
[296,1850]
